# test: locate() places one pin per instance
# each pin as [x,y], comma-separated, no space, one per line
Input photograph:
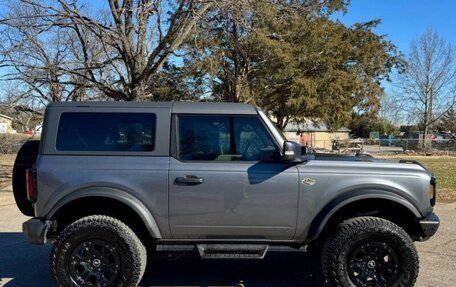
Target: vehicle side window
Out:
[224,138]
[253,141]
[203,137]
[106,132]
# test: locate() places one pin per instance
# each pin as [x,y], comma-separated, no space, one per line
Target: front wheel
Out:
[98,251]
[369,251]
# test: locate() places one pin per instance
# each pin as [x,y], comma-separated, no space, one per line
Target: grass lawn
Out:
[443,168]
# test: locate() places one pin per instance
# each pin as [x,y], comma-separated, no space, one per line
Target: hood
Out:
[402,164]
[339,157]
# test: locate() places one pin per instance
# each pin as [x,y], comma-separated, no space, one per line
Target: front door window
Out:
[225,138]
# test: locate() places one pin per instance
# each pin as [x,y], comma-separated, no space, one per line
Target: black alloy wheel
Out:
[98,251]
[373,263]
[96,262]
[369,252]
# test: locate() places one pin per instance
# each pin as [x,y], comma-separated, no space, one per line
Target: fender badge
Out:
[308,181]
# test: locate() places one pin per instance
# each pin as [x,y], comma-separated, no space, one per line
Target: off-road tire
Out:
[25,159]
[357,233]
[98,228]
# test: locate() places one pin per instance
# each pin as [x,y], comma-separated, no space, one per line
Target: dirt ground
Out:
[6,168]
[25,265]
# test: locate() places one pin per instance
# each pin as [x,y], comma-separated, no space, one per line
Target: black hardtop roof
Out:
[177,107]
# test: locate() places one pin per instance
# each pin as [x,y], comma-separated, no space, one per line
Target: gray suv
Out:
[111,182]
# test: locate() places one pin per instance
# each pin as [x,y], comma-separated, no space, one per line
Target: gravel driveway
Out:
[22,264]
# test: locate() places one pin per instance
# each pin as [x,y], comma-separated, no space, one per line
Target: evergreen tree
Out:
[448,121]
[292,60]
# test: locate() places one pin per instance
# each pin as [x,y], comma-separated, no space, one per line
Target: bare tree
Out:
[25,111]
[115,49]
[429,83]
[390,112]
[31,50]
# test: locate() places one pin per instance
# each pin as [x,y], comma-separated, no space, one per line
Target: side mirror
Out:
[292,152]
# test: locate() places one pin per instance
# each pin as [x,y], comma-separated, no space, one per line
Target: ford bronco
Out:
[109,183]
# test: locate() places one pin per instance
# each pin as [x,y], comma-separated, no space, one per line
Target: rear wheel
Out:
[25,159]
[98,251]
[369,251]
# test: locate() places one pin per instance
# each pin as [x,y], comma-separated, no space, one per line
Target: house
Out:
[6,124]
[314,134]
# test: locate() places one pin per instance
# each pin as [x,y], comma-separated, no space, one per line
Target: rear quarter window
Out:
[110,132]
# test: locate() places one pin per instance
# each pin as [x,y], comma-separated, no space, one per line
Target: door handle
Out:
[189,180]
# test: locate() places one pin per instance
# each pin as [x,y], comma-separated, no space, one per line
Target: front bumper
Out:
[35,230]
[429,226]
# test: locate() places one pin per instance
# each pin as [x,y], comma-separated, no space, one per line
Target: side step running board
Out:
[232,251]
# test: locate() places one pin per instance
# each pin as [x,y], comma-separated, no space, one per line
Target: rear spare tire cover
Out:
[25,159]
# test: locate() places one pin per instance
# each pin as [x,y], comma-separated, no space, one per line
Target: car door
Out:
[227,181]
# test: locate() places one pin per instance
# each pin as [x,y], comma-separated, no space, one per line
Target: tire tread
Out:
[349,229]
[138,252]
